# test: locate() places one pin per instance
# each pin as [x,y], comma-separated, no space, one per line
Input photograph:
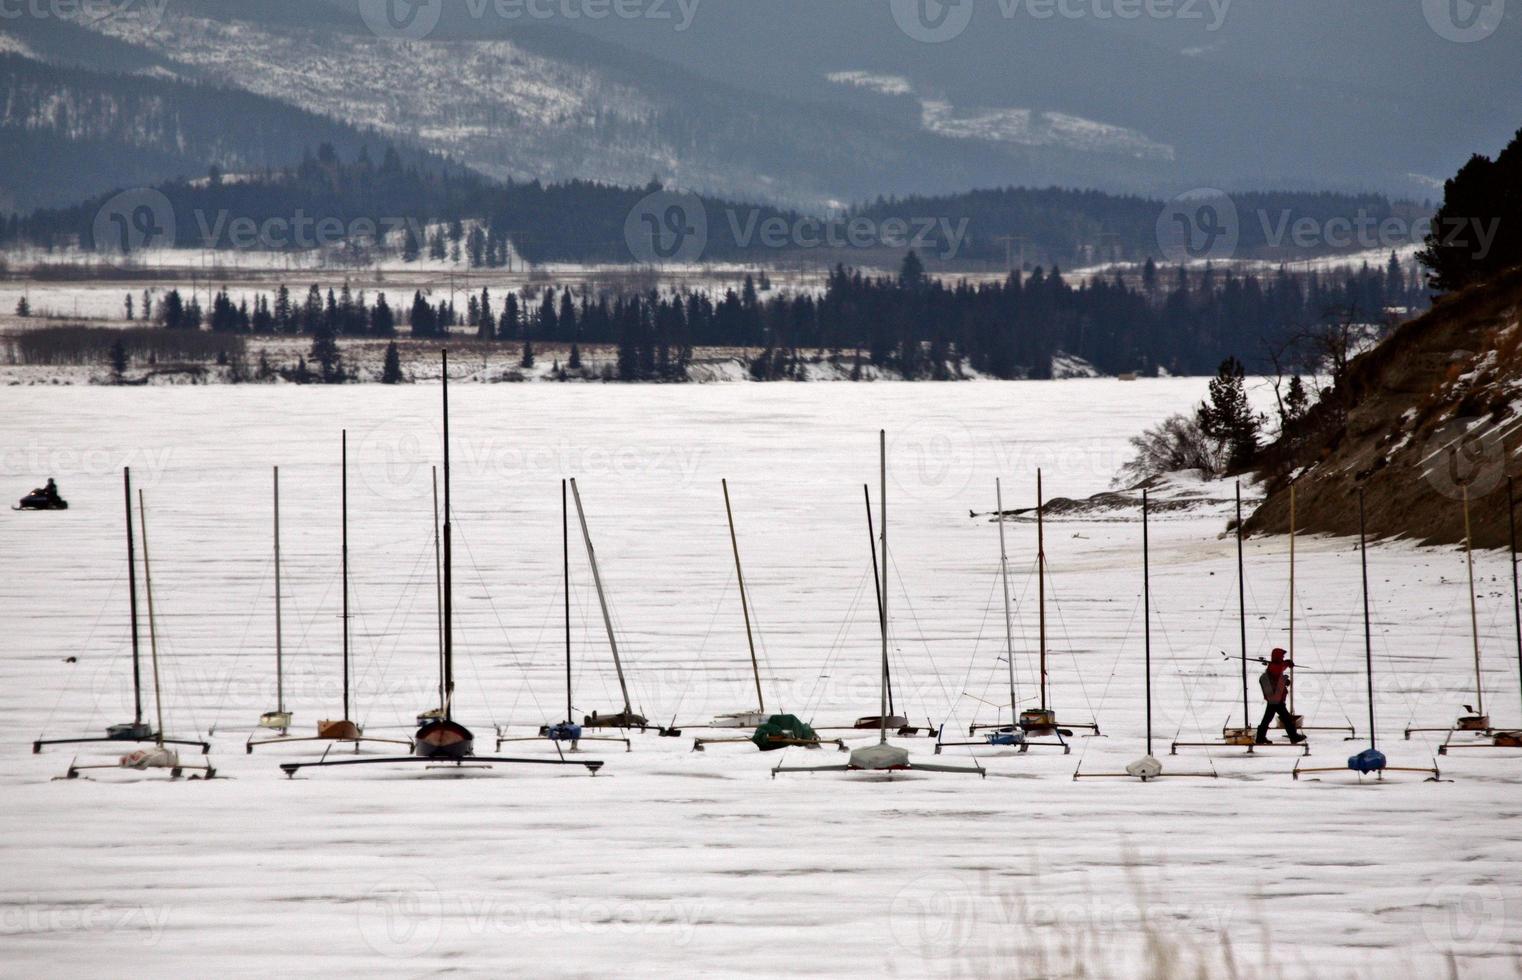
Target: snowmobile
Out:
[40,499]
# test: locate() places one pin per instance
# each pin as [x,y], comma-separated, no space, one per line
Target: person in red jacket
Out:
[1275,682]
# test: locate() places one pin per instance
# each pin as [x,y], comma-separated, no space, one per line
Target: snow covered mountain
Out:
[540,100]
[814,105]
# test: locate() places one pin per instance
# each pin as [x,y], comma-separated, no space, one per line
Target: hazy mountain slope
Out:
[67,133]
[1359,93]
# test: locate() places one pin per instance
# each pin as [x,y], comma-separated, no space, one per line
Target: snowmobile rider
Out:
[51,490]
[1275,682]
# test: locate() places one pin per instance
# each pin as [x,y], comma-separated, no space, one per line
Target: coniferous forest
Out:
[1177,320]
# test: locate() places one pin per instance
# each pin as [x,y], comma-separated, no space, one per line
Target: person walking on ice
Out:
[1275,682]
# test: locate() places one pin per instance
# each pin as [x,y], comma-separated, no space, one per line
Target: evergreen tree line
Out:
[1181,321]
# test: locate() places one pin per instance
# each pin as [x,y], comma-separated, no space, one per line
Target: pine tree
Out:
[129,307]
[283,320]
[382,320]
[172,310]
[391,370]
[575,360]
[262,322]
[325,353]
[1297,401]
[23,307]
[509,325]
[528,354]
[548,326]
[311,313]
[567,319]
[1228,417]
[422,317]
[911,275]
[118,360]
[147,305]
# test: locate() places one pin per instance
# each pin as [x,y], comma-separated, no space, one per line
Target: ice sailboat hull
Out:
[443,739]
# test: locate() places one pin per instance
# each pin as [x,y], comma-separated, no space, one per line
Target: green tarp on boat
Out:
[780,731]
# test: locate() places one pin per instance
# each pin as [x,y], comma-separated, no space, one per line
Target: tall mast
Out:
[153,633]
[438,585]
[882,463]
[448,562]
[734,544]
[1242,607]
[1292,596]
[1368,636]
[565,564]
[1147,612]
[1041,578]
[1474,614]
[279,643]
[345,508]
[607,619]
[877,586]
[137,668]
[1516,593]
[1009,634]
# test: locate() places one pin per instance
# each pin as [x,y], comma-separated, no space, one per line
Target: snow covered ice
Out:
[672,862]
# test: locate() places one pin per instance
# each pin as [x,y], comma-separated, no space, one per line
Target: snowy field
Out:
[672,862]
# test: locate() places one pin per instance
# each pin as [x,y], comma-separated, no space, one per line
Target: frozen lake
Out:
[675,862]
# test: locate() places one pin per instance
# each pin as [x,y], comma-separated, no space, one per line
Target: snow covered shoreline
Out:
[275,360]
